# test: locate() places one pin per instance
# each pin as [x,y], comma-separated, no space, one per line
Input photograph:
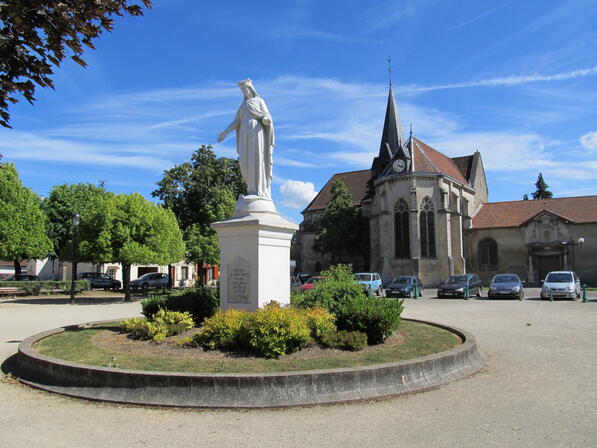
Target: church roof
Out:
[579,209]
[356,182]
[429,160]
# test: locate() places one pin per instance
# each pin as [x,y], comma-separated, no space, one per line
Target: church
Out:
[429,215]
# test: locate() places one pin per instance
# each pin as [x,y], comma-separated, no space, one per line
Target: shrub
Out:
[338,287]
[320,321]
[345,340]
[200,301]
[47,287]
[152,305]
[378,318]
[164,323]
[224,330]
[275,331]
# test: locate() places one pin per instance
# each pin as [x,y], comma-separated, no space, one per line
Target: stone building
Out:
[429,216]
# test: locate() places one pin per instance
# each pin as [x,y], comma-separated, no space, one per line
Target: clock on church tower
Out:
[399,165]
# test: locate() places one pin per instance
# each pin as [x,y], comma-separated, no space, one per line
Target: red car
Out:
[310,283]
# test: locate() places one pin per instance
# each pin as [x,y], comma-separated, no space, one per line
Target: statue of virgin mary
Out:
[254,141]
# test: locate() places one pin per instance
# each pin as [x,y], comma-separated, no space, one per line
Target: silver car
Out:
[561,285]
[506,285]
[151,280]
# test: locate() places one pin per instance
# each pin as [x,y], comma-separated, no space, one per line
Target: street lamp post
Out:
[579,242]
[76,219]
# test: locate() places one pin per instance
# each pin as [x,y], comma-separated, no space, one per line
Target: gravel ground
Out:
[537,390]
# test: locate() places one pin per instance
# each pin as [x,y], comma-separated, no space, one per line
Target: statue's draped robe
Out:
[255,145]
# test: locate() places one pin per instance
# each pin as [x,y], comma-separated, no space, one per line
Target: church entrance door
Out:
[548,263]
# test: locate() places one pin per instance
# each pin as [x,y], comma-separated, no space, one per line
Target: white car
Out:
[562,285]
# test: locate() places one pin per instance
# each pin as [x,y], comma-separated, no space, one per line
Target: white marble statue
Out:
[254,142]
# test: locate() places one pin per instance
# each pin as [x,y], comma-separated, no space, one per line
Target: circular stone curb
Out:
[227,390]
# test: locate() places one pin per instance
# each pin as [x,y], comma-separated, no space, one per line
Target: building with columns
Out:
[429,216]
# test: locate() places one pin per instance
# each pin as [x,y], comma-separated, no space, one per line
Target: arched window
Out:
[427,228]
[488,259]
[401,230]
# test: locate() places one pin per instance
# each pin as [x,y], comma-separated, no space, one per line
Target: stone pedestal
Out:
[254,255]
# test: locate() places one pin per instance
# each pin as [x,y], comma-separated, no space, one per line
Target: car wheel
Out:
[521,295]
[421,293]
[380,292]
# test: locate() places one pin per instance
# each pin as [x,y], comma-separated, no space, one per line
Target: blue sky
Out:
[516,80]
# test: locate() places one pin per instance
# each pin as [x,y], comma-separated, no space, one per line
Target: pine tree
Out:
[341,230]
[542,191]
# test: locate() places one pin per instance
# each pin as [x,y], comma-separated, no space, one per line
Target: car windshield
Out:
[505,279]
[402,280]
[559,277]
[363,277]
[145,277]
[105,276]
[313,280]
[457,279]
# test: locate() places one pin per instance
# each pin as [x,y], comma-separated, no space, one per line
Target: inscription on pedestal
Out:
[239,280]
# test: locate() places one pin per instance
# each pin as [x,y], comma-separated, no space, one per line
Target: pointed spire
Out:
[392,136]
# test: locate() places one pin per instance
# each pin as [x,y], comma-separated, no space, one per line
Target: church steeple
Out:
[392,136]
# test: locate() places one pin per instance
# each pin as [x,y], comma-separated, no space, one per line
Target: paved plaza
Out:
[538,389]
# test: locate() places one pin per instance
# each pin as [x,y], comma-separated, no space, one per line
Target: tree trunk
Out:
[126,281]
[17,265]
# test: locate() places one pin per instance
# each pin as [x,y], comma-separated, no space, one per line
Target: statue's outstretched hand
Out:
[221,137]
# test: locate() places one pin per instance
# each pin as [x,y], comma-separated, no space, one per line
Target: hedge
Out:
[47,287]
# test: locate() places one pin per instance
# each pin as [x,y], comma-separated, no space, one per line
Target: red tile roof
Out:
[580,209]
[429,160]
[356,182]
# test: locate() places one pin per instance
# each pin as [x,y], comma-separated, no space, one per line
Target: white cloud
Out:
[26,146]
[297,194]
[394,11]
[503,81]
[478,17]
[295,32]
[501,151]
[589,141]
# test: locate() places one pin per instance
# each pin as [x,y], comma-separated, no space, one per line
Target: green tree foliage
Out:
[23,224]
[128,229]
[200,192]
[341,230]
[62,202]
[36,35]
[542,191]
[338,287]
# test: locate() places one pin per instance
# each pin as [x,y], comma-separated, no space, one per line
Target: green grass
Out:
[76,346]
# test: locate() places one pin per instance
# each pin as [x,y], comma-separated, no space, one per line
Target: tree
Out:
[341,230]
[36,35]
[542,191]
[200,192]
[62,202]
[128,229]
[23,224]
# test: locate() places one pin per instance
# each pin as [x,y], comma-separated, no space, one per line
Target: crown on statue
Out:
[245,82]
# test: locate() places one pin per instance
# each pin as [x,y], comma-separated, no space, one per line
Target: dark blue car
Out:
[405,286]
